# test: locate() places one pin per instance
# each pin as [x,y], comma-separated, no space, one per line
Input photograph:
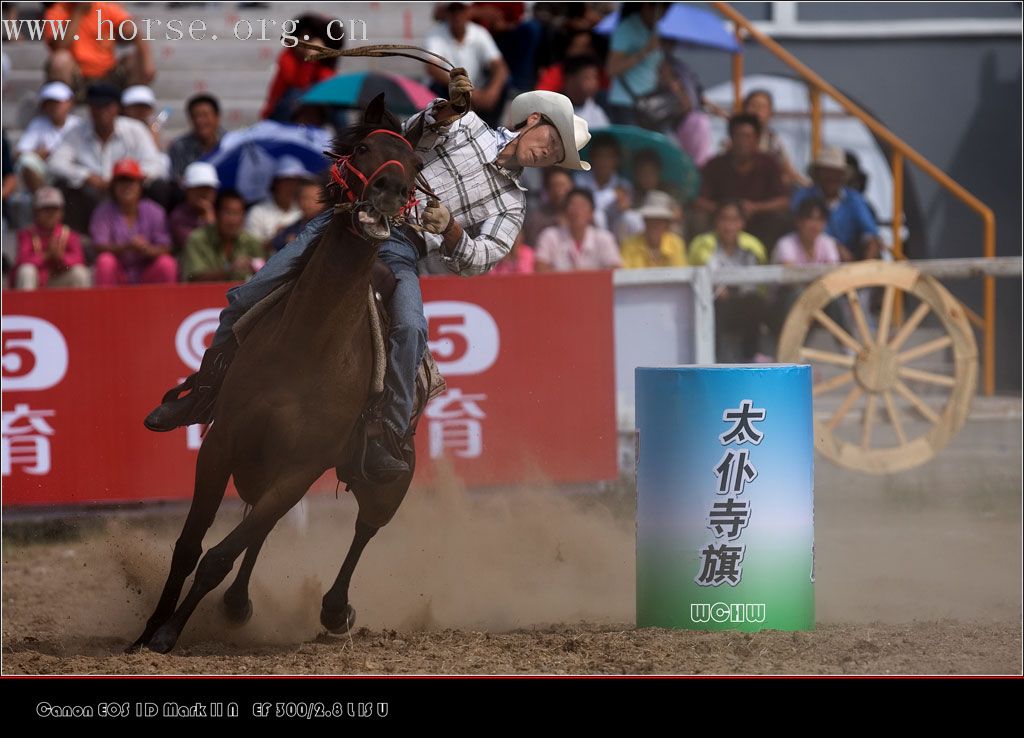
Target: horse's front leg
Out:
[212,473]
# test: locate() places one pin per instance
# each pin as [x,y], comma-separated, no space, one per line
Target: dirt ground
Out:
[525,581]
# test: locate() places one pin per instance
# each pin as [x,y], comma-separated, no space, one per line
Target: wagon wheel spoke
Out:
[842,336]
[858,318]
[912,322]
[941,380]
[827,357]
[917,402]
[885,318]
[834,383]
[844,408]
[869,422]
[924,349]
[894,417]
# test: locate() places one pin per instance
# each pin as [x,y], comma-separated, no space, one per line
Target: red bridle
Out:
[345,163]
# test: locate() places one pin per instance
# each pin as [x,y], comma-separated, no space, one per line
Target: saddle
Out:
[429,382]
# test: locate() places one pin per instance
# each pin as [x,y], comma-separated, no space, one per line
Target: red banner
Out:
[529,363]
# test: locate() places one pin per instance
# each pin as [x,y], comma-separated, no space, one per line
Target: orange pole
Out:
[897,205]
[815,122]
[898,144]
[737,73]
[897,227]
[990,308]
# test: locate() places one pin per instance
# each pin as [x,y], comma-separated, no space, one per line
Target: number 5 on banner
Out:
[35,354]
[462,336]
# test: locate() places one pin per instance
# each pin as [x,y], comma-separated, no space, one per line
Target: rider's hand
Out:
[460,89]
[435,218]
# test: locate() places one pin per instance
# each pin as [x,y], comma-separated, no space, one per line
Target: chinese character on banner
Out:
[742,418]
[453,424]
[720,564]
[26,440]
[736,467]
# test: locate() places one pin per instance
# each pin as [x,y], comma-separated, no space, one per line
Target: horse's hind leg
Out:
[336,614]
[237,605]
[217,562]
[212,473]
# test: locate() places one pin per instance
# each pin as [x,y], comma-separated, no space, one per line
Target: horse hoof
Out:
[235,614]
[336,623]
[135,647]
[162,641]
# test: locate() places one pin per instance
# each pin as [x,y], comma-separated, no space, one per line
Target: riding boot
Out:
[383,461]
[203,386]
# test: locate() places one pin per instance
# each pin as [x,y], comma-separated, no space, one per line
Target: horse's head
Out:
[374,175]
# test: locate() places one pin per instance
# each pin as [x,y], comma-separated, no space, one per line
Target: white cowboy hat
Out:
[558,109]
[658,204]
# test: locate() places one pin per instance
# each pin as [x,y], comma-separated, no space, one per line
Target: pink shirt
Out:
[598,250]
[789,251]
[33,246]
[521,263]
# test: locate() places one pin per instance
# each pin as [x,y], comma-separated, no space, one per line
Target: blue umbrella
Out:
[687,24]
[246,159]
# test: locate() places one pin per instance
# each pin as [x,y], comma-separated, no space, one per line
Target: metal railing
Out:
[703,280]
[901,152]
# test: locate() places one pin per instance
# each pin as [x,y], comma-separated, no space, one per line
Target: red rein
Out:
[344,163]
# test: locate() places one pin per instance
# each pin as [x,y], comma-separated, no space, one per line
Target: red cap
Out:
[127,168]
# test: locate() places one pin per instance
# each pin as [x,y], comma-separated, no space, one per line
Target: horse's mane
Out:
[341,145]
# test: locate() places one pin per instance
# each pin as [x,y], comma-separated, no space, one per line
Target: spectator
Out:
[634,59]
[310,206]
[204,117]
[623,219]
[647,175]
[516,37]
[281,209]
[471,47]
[222,251]
[49,253]
[86,53]
[296,71]
[557,184]
[745,320]
[603,177]
[138,103]
[744,173]
[728,244]
[850,221]
[130,232]
[762,104]
[83,161]
[576,43]
[44,132]
[197,210]
[809,244]
[693,127]
[657,246]
[581,84]
[519,260]
[578,244]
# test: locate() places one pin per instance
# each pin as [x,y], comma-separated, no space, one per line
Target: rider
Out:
[474,172]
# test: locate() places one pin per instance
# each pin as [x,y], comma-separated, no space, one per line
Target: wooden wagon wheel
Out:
[875,367]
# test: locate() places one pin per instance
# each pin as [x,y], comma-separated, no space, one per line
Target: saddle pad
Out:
[428,379]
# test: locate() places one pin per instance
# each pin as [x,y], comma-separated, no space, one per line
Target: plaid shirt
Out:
[485,198]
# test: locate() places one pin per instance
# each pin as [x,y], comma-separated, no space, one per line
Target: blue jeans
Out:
[407,339]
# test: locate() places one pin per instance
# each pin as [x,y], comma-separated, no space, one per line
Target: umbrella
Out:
[677,168]
[246,159]
[357,89]
[687,24]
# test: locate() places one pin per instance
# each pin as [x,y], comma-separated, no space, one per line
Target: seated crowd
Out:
[100,200]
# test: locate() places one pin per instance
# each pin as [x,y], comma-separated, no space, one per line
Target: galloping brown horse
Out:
[293,396]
